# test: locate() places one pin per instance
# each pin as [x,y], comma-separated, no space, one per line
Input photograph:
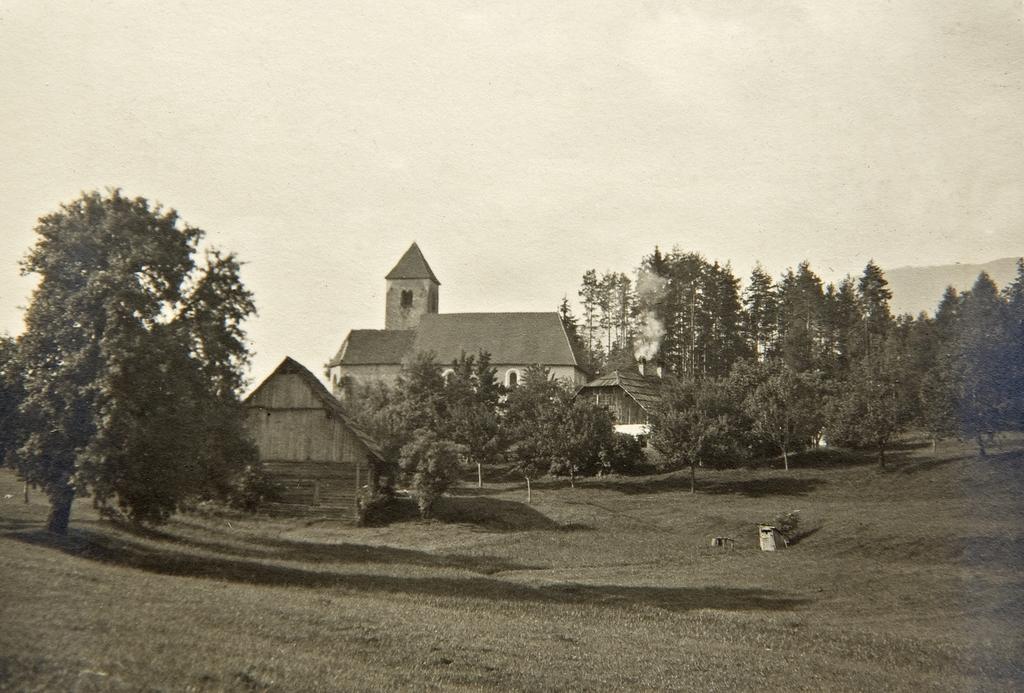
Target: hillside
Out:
[903,579]
[917,289]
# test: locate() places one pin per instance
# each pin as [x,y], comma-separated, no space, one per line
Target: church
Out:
[412,324]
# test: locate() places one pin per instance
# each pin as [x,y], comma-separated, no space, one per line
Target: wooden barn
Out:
[308,444]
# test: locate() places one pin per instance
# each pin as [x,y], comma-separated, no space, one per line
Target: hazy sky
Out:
[519,143]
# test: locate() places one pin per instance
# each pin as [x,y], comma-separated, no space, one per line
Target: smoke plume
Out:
[650,290]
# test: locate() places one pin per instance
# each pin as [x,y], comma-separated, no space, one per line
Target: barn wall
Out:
[311,454]
[285,391]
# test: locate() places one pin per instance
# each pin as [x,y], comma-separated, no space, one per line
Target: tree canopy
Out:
[132,361]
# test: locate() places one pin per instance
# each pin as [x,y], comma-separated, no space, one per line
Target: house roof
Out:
[412,266]
[510,338]
[644,390]
[292,367]
[374,347]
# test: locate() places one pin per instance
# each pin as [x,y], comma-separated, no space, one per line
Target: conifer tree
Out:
[760,313]
[984,396]
[874,295]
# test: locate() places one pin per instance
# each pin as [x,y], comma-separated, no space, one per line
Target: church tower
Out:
[412,291]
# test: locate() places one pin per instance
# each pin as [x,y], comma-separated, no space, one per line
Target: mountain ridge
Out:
[920,288]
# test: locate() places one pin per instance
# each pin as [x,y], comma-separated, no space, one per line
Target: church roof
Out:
[510,338]
[644,390]
[412,266]
[373,347]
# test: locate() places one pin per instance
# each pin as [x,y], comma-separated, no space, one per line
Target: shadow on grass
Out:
[831,458]
[755,488]
[800,536]
[481,511]
[928,464]
[759,488]
[97,547]
[344,553]
[492,513]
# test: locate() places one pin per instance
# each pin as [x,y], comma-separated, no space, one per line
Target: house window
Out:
[447,375]
[511,378]
[406,298]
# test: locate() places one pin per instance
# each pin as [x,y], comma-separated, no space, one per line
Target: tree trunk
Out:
[572,476]
[785,459]
[981,446]
[479,476]
[60,511]
[529,498]
[881,457]
[693,478]
[26,493]
[934,444]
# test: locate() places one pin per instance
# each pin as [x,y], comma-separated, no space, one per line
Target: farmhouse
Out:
[412,324]
[628,394]
[307,443]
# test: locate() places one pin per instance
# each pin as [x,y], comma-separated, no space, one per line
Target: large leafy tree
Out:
[132,361]
[11,395]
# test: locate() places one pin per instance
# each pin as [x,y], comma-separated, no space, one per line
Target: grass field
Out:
[905,579]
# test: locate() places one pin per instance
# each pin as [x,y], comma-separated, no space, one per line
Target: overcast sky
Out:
[519,143]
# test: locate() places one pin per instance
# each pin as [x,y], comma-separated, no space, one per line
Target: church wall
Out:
[363,375]
[570,374]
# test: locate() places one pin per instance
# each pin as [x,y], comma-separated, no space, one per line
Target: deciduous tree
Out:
[786,408]
[690,422]
[132,359]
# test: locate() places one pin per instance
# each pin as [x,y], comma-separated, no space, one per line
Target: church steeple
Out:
[412,266]
[412,291]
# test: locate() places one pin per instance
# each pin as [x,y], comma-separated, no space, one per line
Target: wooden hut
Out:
[629,395]
[308,445]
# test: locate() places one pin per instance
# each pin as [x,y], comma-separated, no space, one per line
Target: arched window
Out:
[406,298]
[447,374]
[511,378]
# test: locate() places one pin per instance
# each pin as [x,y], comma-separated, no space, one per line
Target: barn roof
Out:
[510,338]
[412,266]
[374,347]
[644,390]
[292,367]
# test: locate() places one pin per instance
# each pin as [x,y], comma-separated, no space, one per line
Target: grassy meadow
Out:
[903,579]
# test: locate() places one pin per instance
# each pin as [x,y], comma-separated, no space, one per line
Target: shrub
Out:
[432,464]
[623,455]
[252,488]
[372,505]
[787,524]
